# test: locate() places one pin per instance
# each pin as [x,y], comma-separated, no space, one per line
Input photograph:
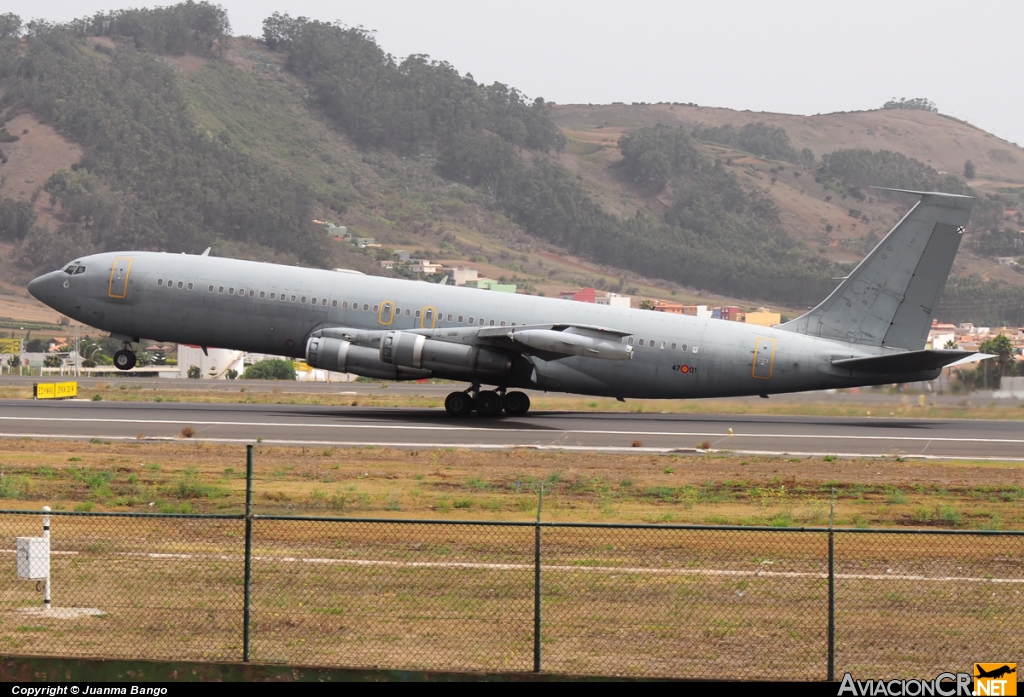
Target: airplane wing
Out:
[545,341]
[910,361]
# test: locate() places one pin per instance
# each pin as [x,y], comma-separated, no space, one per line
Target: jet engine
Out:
[345,357]
[456,361]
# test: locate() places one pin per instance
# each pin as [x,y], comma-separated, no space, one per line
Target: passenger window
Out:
[650,343]
[190,286]
[313,301]
[470,320]
[398,311]
[159,281]
[673,347]
[293,298]
[513,324]
[641,342]
[210,289]
[407,312]
[180,284]
[449,317]
[492,323]
[302,300]
[417,314]
[231,291]
[241,291]
[376,308]
[334,303]
[502,323]
[252,293]
[344,305]
[273,296]
[366,307]
[323,303]
[683,347]
[221,289]
[263,294]
[662,344]
[460,319]
[284,297]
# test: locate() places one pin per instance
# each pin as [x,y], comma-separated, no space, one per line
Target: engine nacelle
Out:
[444,357]
[344,357]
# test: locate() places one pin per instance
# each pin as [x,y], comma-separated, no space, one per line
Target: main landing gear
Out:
[487,403]
[125,358]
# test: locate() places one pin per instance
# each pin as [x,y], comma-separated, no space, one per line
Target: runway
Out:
[432,428]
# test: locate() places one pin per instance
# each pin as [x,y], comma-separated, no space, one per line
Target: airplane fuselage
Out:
[275,309]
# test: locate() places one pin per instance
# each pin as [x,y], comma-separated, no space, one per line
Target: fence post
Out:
[832,592]
[536,585]
[247,602]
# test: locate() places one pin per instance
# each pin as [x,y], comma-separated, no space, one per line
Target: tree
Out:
[270,369]
[950,344]
[53,361]
[969,170]
[194,372]
[647,304]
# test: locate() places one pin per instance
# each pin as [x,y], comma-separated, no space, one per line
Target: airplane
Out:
[870,330]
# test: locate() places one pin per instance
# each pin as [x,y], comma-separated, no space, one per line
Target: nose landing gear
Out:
[488,404]
[125,358]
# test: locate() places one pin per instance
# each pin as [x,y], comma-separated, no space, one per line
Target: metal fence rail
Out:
[654,600]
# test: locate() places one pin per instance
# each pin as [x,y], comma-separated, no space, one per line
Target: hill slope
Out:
[118,142]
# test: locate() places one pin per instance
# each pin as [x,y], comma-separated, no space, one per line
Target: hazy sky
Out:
[785,56]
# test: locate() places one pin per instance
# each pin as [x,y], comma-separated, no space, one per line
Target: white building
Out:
[214,366]
[613,300]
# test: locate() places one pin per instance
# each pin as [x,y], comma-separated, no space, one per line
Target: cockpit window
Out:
[74,268]
[80,269]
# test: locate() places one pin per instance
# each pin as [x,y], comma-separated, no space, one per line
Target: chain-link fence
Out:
[683,601]
[719,602]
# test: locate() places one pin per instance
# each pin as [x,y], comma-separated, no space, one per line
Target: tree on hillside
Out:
[969,170]
[918,103]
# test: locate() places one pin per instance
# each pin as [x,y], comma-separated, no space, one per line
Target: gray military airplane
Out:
[871,330]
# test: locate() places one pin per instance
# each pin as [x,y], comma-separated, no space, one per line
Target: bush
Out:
[270,369]
[194,372]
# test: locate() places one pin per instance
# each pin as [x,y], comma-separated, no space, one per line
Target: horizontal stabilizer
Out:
[910,361]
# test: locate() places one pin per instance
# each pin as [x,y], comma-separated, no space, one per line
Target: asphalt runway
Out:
[432,428]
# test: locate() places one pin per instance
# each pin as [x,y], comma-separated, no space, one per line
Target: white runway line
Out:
[486,429]
[654,571]
[518,446]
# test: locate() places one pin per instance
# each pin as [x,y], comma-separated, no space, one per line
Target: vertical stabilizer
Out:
[889,298]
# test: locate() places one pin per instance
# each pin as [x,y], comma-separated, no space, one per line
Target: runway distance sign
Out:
[55,390]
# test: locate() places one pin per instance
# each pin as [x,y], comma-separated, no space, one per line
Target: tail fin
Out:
[889,298]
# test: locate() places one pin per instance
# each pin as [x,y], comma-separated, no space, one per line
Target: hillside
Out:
[119,141]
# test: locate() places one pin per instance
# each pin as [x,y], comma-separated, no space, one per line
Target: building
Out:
[700,311]
[583,295]
[614,300]
[425,266]
[462,275]
[491,284]
[669,307]
[730,313]
[763,318]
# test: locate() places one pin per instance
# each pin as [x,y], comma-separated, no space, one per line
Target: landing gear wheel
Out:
[489,404]
[458,404]
[124,359]
[516,403]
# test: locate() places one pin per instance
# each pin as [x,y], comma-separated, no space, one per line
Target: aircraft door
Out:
[764,358]
[429,317]
[387,312]
[118,286]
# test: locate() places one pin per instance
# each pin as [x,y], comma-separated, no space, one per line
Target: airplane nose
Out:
[38,286]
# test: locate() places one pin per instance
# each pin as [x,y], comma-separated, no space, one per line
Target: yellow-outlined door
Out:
[429,317]
[387,312]
[119,272]
[764,358]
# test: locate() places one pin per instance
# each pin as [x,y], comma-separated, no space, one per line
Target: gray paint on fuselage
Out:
[722,352]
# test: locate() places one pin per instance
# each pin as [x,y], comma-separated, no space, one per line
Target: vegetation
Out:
[149,179]
[270,369]
[919,103]
[860,167]
[758,139]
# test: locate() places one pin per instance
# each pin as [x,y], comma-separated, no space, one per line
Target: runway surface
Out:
[429,428]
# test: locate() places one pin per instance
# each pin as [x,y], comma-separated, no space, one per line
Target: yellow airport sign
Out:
[11,346]
[55,390]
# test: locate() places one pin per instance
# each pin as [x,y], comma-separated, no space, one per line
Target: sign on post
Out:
[10,346]
[55,390]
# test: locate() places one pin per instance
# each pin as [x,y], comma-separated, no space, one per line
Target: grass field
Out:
[704,603]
